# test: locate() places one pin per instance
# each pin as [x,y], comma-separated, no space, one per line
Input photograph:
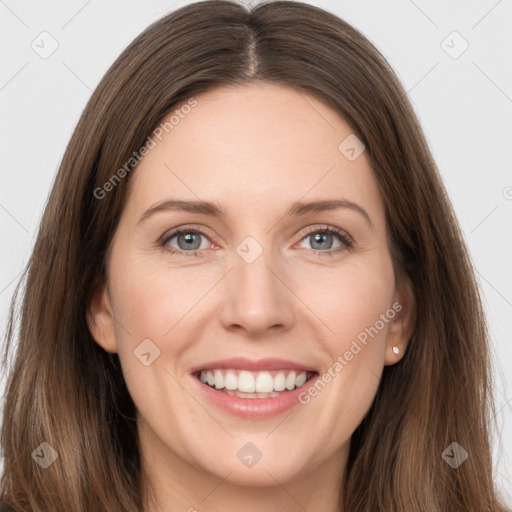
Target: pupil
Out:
[189,239]
[318,239]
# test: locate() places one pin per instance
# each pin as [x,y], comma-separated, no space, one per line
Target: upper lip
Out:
[242,363]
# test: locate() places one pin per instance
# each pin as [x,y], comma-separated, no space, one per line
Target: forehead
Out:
[258,144]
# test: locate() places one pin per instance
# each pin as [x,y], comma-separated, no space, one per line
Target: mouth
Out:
[252,384]
[253,390]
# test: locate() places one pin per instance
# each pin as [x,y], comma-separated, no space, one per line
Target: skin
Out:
[253,149]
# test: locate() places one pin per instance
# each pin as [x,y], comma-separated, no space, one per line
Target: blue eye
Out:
[189,241]
[325,236]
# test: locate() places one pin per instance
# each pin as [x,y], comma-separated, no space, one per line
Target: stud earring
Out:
[396,350]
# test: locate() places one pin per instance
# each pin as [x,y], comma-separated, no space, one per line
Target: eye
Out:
[324,238]
[187,242]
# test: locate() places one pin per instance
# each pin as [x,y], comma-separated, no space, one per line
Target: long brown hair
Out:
[64,390]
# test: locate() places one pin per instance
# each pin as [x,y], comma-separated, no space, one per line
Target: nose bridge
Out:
[256,299]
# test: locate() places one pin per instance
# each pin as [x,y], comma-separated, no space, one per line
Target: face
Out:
[292,277]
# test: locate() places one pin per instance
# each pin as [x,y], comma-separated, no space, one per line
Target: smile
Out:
[253,389]
[250,384]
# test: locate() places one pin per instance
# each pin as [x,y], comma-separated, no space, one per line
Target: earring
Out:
[396,350]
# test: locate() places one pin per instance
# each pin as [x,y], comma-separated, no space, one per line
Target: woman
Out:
[253,371]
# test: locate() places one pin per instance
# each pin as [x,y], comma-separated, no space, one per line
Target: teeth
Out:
[301,379]
[290,381]
[219,379]
[264,383]
[252,395]
[246,382]
[253,384]
[230,381]
[279,382]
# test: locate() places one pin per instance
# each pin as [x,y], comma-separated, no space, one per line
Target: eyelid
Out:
[328,228]
[346,239]
[179,229]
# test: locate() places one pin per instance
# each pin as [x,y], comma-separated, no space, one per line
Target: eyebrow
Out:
[297,208]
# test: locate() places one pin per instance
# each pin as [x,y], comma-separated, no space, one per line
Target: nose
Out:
[257,299]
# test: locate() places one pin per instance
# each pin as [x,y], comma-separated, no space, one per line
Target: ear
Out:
[100,318]
[402,325]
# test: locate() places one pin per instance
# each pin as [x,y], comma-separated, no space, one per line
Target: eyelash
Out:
[344,238]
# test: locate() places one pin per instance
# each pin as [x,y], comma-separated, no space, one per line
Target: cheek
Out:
[156,308]
[350,299]
[351,305]
[157,305]
[356,305]
[153,299]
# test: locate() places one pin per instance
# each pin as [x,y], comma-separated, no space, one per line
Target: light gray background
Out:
[464,105]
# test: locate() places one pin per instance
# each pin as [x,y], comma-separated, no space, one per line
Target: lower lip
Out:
[254,408]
